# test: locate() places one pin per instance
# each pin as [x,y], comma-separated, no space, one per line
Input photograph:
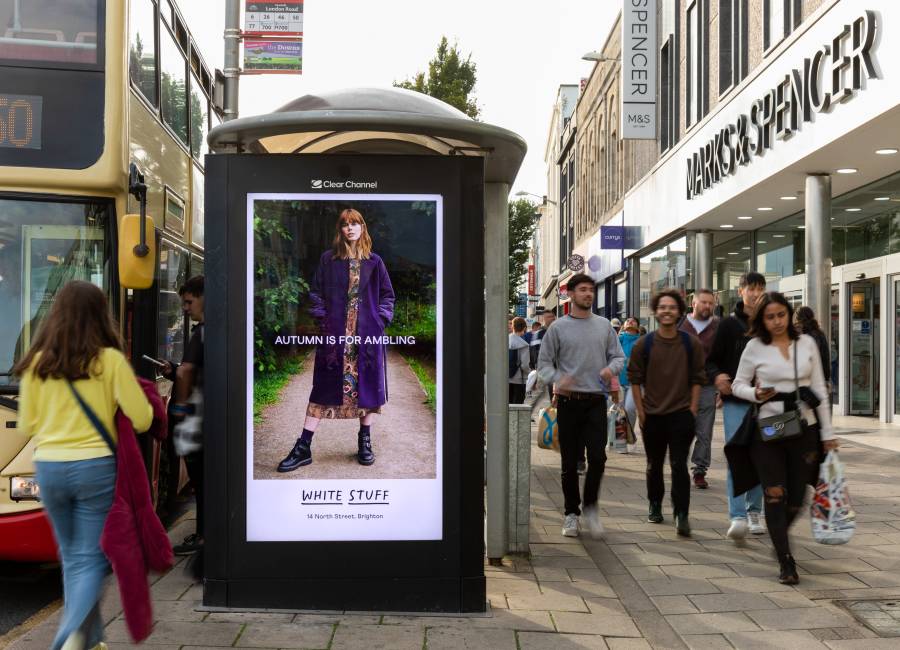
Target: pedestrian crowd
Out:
[765,367]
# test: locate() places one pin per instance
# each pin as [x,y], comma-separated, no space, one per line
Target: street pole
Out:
[232,71]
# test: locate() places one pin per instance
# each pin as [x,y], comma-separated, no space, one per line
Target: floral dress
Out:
[349,409]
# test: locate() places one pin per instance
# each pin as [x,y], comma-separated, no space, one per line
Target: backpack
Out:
[685,340]
[513,362]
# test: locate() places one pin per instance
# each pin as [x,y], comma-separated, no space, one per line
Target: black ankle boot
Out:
[682,524]
[655,516]
[300,455]
[365,456]
[788,575]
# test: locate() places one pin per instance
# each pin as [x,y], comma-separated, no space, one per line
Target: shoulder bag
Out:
[784,425]
[89,412]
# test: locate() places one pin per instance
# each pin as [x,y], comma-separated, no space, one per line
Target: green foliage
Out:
[414,318]
[426,379]
[522,224]
[267,385]
[277,286]
[450,78]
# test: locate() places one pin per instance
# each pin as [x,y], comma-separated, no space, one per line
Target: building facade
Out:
[779,130]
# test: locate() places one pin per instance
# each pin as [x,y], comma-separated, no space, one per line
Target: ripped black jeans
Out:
[785,467]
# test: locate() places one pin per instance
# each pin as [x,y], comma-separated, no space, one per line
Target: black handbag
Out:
[785,425]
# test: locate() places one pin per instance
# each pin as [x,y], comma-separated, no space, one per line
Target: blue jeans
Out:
[751,501]
[77,496]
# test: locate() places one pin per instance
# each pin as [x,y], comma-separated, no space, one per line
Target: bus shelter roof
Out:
[375,121]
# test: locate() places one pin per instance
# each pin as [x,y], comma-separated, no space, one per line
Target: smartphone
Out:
[155,362]
[767,389]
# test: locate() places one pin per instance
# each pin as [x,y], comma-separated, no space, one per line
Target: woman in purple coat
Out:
[353,301]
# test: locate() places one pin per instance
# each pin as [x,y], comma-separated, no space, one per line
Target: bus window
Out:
[142,48]
[62,31]
[199,120]
[43,245]
[173,85]
[173,268]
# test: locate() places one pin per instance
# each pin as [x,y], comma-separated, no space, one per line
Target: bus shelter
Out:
[395,342]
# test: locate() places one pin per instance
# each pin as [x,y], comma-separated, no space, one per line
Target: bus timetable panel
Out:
[390,341]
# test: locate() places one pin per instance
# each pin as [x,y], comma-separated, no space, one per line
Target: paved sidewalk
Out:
[638,587]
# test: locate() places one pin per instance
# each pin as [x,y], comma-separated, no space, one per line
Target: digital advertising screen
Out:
[344,434]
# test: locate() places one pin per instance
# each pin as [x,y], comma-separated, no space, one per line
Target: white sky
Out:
[523,49]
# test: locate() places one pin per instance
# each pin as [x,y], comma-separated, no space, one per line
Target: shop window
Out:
[733,49]
[731,259]
[780,18]
[142,49]
[697,96]
[669,93]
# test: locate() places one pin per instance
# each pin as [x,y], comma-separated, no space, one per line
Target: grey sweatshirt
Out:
[580,348]
[516,342]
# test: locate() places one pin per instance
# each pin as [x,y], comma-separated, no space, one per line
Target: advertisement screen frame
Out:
[445,575]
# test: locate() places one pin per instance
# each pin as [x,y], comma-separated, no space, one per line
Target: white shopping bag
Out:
[616,432]
[831,513]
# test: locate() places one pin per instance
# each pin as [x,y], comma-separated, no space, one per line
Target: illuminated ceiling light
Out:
[778,236]
[889,151]
[760,241]
[726,225]
[882,198]
[847,170]
[852,209]
[745,218]
[763,209]
[788,198]
[732,253]
[720,258]
[802,227]
[745,248]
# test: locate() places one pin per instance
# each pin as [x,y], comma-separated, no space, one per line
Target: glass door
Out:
[896,347]
[835,343]
[864,330]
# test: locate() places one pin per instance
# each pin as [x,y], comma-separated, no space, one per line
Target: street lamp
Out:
[542,197]
[596,56]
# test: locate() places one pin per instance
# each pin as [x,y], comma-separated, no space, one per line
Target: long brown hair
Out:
[758,327]
[340,246]
[72,336]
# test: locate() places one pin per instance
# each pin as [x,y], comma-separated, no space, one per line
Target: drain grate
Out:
[880,616]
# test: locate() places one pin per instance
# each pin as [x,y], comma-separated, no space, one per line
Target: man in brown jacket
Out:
[702,324]
[666,371]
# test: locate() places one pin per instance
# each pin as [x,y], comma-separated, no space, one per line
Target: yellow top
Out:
[49,411]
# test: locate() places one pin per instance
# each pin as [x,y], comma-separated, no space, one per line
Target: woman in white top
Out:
[784,466]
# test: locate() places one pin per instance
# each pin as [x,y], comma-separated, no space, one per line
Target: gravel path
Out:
[403,436]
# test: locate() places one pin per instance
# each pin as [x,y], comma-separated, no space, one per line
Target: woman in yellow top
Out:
[78,343]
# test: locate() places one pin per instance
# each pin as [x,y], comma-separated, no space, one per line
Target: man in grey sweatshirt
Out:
[580,355]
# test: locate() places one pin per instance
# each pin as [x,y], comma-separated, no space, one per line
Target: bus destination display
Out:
[20,121]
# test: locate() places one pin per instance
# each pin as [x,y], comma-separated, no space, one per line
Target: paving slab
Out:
[795,640]
[711,623]
[674,605]
[707,642]
[801,618]
[441,638]
[731,602]
[548,641]
[378,637]
[609,625]
[179,632]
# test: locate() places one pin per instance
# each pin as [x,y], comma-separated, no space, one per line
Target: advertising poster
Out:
[344,412]
[273,56]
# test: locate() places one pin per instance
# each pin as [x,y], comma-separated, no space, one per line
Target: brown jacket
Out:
[707,336]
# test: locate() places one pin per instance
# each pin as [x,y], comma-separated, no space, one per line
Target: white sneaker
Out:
[738,528]
[756,526]
[592,518]
[570,526]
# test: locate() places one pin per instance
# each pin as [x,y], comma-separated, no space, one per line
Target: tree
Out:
[522,224]
[450,79]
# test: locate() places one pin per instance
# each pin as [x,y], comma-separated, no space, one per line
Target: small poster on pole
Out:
[273,56]
[273,17]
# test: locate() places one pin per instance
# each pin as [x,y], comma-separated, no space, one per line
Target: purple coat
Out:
[328,297]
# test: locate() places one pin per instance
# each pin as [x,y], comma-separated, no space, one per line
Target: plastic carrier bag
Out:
[619,434]
[548,430]
[832,516]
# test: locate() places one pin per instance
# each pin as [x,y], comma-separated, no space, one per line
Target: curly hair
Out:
[674,294]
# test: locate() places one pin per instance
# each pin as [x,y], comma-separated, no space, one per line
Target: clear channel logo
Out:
[319,184]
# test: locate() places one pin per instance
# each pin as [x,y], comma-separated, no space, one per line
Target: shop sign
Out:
[273,56]
[639,70]
[858,302]
[531,280]
[831,76]
[620,237]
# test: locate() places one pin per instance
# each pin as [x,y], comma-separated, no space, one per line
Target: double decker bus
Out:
[95,97]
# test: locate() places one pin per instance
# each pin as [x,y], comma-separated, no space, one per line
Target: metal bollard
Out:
[519,511]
